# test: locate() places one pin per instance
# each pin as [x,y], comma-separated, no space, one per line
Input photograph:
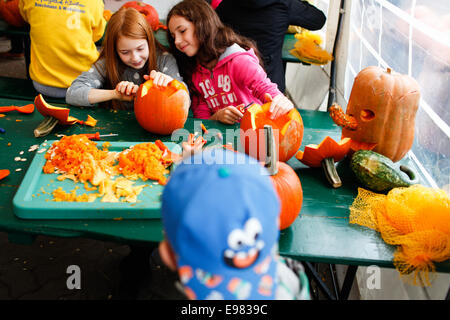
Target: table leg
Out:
[348,282]
[313,275]
[332,268]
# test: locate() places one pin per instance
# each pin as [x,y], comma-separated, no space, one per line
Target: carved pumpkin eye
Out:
[367,115]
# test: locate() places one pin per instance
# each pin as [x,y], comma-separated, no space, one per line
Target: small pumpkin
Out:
[288,132]
[150,13]
[381,110]
[160,109]
[9,10]
[326,154]
[289,190]
[285,181]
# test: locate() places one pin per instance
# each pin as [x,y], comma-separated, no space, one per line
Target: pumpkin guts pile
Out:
[78,158]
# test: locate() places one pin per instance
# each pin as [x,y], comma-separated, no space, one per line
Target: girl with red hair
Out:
[130,55]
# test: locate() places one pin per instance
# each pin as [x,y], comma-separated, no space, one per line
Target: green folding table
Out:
[321,233]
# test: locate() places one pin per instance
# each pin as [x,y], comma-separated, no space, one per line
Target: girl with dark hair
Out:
[221,68]
[130,54]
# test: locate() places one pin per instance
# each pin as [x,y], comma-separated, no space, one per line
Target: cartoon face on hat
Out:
[244,245]
[221,220]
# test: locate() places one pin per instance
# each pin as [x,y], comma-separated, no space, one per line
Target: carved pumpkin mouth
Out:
[367,115]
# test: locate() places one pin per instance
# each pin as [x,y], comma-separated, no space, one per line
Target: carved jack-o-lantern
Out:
[381,109]
[160,109]
[288,128]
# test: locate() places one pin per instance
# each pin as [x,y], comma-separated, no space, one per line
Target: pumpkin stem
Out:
[330,172]
[389,70]
[46,126]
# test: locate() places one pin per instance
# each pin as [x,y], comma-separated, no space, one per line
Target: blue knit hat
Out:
[220,215]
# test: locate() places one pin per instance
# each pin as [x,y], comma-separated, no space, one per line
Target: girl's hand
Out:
[159,78]
[126,90]
[228,115]
[280,105]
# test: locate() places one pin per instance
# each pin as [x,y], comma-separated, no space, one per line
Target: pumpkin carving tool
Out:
[98,136]
[243,109]
[29,108]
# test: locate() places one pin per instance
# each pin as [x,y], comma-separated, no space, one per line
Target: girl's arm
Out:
[78,92]
[124,91]
[247,72]
[87,89]
[101,95]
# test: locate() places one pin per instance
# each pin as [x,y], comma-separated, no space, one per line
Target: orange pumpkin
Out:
[381,110]
[9,10]
[285,181]
[150,13]
[288,130]
[159,109]
[289,190]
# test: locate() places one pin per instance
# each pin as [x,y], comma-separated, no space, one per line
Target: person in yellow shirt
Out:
[63,36]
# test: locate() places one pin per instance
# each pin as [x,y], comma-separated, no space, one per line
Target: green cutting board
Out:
[33,199]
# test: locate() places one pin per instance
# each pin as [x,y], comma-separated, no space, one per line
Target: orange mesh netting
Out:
[416,219]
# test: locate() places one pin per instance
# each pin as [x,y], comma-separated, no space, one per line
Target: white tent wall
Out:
[369,36]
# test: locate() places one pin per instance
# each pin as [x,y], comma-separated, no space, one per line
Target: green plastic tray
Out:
[33,198]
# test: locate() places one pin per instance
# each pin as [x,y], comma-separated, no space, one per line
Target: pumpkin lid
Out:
[220,212]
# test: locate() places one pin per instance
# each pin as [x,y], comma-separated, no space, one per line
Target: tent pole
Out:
[332,89]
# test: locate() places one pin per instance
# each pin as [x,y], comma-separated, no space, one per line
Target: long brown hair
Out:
[213,36]
[126,22]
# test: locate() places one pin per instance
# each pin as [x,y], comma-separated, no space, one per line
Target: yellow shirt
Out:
[63,35]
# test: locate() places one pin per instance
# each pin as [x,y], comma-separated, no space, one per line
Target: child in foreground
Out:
[130,55]
[221,68]
[220,220]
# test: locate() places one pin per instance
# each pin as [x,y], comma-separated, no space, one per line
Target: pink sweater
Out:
[237,78]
